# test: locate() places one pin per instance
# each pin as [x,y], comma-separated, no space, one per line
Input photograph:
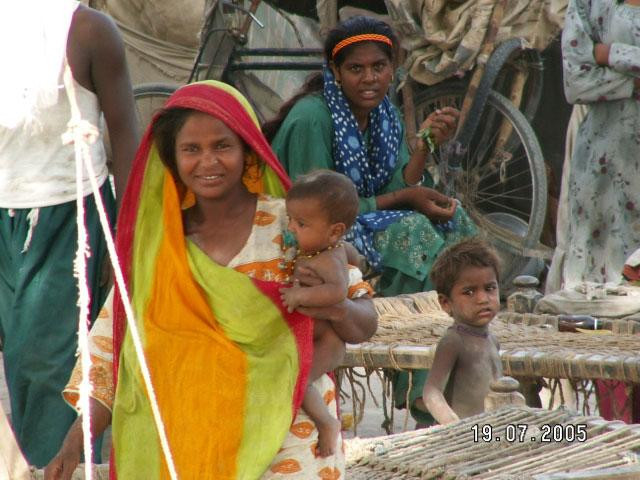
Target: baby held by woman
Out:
[322,206]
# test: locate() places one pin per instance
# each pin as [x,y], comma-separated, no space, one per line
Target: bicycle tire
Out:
[149,98]
[491,203]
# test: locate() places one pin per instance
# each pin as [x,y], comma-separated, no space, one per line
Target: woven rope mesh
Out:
[418,320]
[451,451]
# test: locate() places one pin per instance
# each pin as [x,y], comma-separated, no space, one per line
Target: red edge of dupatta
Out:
[301,327]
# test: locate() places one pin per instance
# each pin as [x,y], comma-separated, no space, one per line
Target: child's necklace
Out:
[471,331]
[299,254]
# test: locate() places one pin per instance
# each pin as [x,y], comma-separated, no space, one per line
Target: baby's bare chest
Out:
[325,264]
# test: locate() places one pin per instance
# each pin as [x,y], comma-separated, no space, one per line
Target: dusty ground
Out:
[371,424]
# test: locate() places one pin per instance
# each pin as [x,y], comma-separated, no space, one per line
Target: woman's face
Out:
[209,156]
[365,76]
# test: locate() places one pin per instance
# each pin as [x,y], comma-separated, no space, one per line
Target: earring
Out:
[338,83]
[188,200]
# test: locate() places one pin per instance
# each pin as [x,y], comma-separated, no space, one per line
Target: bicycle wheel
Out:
[502,183]
[149,98]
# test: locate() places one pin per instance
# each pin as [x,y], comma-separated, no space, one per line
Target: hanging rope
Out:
[81,133]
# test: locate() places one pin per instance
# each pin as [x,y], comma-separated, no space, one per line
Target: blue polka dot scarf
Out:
[370,167]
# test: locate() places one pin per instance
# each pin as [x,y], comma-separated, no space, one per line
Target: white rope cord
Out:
[80,134]
[78,126]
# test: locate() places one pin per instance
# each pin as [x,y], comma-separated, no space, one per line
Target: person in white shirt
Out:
[40,40]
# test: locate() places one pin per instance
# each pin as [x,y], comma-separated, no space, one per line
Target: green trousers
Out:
[39,315]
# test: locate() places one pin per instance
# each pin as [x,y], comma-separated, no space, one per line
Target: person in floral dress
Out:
[601,59]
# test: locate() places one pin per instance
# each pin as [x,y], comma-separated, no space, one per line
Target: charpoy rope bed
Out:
[617,326]
[524,450]
[409,327]
[533,444]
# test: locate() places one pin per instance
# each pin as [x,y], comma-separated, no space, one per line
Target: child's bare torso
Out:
[477,365]
[331,267]
[324,264]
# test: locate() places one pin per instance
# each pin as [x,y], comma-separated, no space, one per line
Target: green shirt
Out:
[408,247]
[304,143]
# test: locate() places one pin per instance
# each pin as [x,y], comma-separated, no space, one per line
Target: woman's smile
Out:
[210,178]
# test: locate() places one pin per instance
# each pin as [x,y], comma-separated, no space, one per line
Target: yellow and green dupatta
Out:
[227,362]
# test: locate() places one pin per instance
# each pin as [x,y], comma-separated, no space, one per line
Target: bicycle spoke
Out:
[511,163]
[515,159]
[504,207]
[488,144]
[500,182]
[503,144]
[501,196]
[488,191]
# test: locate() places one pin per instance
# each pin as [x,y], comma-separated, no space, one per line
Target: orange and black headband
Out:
[366,37]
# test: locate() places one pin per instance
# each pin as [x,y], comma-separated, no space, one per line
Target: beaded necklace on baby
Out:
[299,254]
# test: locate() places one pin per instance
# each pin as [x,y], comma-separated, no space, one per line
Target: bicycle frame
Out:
[232,38]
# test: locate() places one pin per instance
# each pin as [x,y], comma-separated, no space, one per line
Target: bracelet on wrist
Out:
[417,184]
[427,137]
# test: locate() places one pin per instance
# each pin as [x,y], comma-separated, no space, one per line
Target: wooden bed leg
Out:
[526,296]
[503,391]
[530,389]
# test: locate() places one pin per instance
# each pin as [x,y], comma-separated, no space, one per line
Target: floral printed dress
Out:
[603,226]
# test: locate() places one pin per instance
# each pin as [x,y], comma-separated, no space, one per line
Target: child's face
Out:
[310,225]
[474,298]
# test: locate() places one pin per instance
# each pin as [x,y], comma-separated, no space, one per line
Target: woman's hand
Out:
[442,123]
[601,56]
[601,53]
[62,466]
[333,313]
[354,320]
[431,203]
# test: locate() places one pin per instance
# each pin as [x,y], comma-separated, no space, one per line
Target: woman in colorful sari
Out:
[201,239]
[343,120]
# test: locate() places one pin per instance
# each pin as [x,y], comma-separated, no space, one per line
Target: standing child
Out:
[322,206]
[466,360]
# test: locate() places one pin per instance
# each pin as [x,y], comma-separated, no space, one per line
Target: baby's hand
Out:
[290,296]
[306,276]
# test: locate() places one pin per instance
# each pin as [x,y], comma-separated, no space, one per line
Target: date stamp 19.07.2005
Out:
[523,432]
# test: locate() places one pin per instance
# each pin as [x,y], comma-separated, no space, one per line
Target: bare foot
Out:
[327,437]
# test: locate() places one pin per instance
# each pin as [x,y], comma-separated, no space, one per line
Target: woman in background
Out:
[343,120]
[601,59]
